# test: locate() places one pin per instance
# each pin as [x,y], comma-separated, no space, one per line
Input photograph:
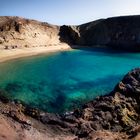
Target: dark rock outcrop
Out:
[117,112]
[69,34]
[117,32]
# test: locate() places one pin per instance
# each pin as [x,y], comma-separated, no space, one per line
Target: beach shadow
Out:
[100,49]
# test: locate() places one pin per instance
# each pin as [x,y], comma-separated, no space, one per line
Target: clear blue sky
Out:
[68,11]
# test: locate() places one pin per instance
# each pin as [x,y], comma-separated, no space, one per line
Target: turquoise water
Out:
[62,81]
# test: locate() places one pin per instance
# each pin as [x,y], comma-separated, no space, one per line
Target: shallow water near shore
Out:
[62,81]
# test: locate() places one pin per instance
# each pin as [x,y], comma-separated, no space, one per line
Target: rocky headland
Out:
[111,117]
[117,32]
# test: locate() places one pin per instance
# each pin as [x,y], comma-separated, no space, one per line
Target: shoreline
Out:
[10,54]
[103,115]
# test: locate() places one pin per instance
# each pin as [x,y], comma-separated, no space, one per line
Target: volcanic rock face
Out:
[117,112]
[117,32]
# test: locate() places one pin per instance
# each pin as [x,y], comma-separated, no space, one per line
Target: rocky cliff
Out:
[20,32]
[117,32]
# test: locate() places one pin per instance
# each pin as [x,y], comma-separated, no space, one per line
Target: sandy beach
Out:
[8,54]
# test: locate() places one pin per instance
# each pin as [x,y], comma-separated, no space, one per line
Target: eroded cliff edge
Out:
[19,32]
[117,32]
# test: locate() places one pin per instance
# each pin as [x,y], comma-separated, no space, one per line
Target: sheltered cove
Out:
[113,116]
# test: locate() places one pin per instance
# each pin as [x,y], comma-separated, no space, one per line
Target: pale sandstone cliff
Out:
[20,32]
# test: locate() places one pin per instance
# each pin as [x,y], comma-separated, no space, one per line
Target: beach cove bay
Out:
[62,81]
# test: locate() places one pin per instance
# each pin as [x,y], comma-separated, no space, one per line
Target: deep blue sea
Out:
[62,81]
